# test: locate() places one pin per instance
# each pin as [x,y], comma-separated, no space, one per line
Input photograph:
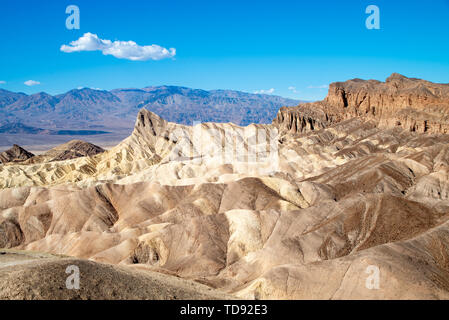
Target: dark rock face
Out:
[15,154]
[408,103]
[299,120]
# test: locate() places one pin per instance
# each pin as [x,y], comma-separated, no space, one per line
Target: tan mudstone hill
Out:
[310,213]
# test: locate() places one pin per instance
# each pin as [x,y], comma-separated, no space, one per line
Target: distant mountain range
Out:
[88,111]
[20,128]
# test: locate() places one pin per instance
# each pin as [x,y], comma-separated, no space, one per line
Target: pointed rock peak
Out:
[17,147]
[150,121]
[145,114]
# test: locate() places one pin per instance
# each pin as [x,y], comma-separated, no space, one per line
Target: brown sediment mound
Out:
[67,151]
[15,154]
[35,276]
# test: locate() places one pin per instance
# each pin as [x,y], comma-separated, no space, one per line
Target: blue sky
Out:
[241,45]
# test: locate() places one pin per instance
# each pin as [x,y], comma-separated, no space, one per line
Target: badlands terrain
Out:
[303,208]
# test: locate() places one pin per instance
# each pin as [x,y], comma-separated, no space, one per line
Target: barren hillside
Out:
[299,209]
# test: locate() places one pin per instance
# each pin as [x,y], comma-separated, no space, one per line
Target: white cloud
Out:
[324,86]
[31,83]
[269,91]
[120,49]
[2,82]
[292,89]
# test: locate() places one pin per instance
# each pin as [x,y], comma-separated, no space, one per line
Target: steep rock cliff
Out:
[412,104]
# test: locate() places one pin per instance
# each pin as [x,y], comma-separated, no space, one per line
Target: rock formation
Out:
[15,154]
[70,150]
[408,103]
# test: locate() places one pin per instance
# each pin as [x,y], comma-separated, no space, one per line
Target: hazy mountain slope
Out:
[20,128]
[186,106]
[35,105]
[90,109]
[8,97]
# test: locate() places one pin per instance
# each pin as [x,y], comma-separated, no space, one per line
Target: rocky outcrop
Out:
[307,117]
[76,148]
[70,150]
[408,103]
[15,154]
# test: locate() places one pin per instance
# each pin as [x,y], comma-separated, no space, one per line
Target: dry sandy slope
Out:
[28,275]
